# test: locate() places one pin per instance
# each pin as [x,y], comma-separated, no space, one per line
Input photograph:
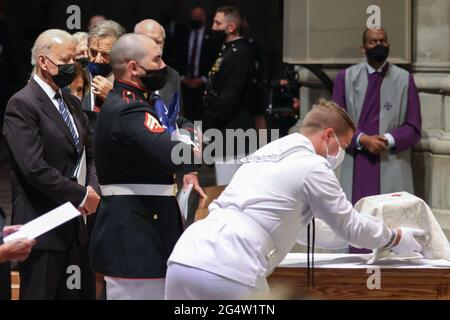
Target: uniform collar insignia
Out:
[133,89]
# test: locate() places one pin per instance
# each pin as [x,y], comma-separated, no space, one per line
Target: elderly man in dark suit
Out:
[47,132]
[155,31]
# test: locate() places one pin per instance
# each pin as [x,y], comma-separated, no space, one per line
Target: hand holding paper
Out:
[17,250]
[44,223]
[10,230]
[192,179]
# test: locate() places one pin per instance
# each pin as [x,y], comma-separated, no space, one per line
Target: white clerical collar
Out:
[45,86]
[371,69]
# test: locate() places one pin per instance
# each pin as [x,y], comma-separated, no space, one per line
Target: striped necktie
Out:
[65,115]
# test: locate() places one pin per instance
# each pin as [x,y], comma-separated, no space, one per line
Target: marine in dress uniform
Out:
[226,100]
[138,222]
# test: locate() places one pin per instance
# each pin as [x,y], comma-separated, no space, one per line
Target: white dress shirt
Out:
[51,94]
[280,188]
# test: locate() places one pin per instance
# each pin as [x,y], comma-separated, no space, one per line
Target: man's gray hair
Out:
[106,28]
[129,47]
[46,40]
[80,37]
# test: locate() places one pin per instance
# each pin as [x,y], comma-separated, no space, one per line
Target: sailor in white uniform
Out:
[262,213]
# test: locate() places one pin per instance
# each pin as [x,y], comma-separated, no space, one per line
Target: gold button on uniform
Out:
[155,216]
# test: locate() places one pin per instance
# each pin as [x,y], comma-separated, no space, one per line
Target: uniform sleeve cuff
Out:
[84,200]
[358,144]
[390,139]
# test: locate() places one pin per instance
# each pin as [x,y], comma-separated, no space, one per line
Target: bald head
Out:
[134,47]
[152,29]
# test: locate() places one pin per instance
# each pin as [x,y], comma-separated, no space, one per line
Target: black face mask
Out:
[155,80]
[83,62]
[219,35]
[379,53]
[196,24]
[66,74]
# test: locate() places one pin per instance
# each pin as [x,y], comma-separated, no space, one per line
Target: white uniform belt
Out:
[165,190]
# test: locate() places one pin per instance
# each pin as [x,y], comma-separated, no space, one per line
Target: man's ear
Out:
[132,68]
[41,63]
[328,133]
[233,27]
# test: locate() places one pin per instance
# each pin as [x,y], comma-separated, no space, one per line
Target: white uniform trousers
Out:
[134,289]
[187,283]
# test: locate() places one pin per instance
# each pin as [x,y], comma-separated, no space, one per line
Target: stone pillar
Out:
[431,67]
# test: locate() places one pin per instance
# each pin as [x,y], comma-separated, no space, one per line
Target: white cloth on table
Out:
[406,210]
[359,261]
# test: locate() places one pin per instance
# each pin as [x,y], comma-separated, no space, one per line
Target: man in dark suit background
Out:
[46,132]
[194,54]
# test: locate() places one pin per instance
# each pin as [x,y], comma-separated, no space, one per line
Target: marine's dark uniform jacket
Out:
[134,235]
[228,88]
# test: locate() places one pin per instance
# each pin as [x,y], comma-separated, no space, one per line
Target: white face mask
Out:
[336,161]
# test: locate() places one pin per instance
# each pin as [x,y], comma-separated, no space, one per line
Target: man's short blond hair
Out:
[327,114]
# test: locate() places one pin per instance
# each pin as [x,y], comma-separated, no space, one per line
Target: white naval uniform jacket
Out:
[261,214]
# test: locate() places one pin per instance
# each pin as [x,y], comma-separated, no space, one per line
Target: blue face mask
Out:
[99,69]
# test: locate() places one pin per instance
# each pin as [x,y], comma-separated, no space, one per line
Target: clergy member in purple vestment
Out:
[383,100]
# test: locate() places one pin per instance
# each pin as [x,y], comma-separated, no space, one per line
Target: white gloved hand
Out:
[406,242]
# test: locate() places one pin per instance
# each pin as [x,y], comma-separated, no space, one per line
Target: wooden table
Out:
[343,276]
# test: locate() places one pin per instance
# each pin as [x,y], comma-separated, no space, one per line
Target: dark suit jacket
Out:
[172,86]
[208,54]
[167,92]
[44,157]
